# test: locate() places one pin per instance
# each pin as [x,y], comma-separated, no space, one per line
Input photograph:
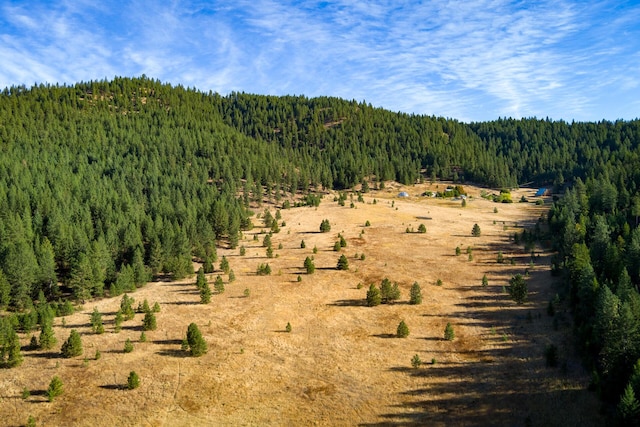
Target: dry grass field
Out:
[341,364]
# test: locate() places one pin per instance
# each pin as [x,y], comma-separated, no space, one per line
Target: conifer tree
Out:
[96,321]
[11,356]
[149,322]
[205,294]
[72,347]
[224,265]
[128,346]
[373,296]
[133,381]
[415,294]
[475,231]
[218,285]
[47,337]
[201,280]
[343,263]
[449,333]
[119,318]
[55,388]
[195,341]
[403,330]
[309,265]
[518,289]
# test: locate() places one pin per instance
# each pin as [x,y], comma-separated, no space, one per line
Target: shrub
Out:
[415,361]
[55,388]
[336,247]
[243,251]
[247,292]
[403,330]
[128,346]
[500,258]
[449,334]
[458,251]
[72,347]
[133,381]
[422,228]
[288,327]
[485,281]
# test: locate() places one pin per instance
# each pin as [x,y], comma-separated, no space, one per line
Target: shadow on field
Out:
[494,372]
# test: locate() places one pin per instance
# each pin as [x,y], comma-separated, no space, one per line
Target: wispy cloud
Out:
[472,60]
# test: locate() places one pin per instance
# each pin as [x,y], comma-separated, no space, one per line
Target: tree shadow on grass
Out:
[178,353]
[168,342]
[360,302]
[182,302]
[113,387]
[384,336]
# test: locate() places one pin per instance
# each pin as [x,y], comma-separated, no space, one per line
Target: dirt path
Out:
[341,364]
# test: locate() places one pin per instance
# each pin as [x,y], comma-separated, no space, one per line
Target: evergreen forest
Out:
[106,184]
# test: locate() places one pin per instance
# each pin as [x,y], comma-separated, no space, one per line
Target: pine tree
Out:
[449,334]
[485,281]
[96,321]
[415,361]
[133,381]
[205,294]
[47,337]
[415,294]
[422,228]
[403,330]
[224,265]
[149,321]
[475,231]
[373,296]
[126,306]
[288,327]
[201,280]
[55,388]
[325,226]
[119,318]
[218,285]
[197,344]
[628,407]
[10,354]
[128,346]
[343,263]
[309,265]
[518,289]
[72,347]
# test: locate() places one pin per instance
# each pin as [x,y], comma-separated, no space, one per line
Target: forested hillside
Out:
[104,184]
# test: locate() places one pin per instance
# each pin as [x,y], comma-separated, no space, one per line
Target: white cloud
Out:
[472,60]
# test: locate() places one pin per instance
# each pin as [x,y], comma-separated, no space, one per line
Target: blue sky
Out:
[472,60]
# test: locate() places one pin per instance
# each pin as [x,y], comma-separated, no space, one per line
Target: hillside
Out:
[341,364]
[108,185]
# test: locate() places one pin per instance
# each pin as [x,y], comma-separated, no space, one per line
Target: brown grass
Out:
[340,365]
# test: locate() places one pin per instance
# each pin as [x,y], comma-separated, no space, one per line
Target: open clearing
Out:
[341,364]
